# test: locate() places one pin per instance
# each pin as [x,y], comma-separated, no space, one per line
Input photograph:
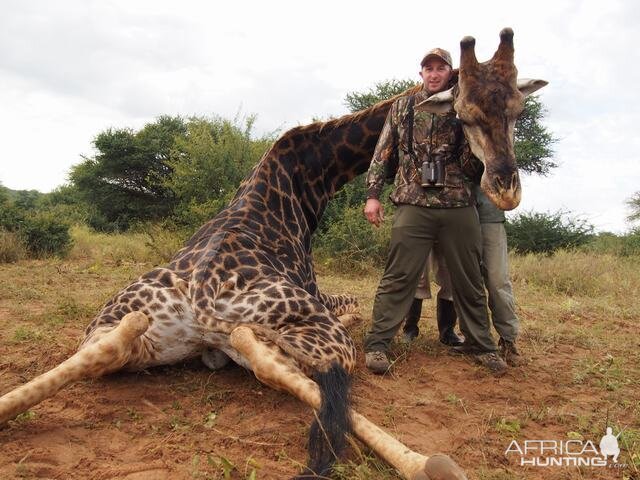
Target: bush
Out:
[350,243]
[45,236]
[12,247]
[619,245]
[533,232]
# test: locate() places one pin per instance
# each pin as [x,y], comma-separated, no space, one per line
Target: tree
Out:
[356,101]
[532,232]
[634,205]
[533,142]
[209,162]
[125,181]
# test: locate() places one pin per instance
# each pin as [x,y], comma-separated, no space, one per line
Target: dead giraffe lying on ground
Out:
[244,288]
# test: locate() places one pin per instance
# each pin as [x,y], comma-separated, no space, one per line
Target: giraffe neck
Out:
[324,157]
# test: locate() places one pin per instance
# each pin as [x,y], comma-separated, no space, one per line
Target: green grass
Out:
[579,315]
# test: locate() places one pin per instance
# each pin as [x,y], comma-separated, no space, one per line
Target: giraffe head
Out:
[488,99]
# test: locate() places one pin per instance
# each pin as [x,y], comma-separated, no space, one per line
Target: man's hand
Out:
[374,211]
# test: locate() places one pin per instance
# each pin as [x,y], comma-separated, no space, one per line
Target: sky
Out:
[73,68]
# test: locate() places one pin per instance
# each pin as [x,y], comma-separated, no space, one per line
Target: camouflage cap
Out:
[440,53]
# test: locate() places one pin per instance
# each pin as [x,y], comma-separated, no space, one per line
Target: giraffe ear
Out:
[441,102]
[529,85]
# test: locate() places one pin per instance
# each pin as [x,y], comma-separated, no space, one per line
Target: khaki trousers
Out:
[415,229]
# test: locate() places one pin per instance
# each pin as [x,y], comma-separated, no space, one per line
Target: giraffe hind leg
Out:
[274,369]
[107,354]
[327,435]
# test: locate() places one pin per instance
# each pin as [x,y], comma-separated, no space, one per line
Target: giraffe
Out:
[243,287]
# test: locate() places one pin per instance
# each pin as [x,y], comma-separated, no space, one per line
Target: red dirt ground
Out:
[186,422]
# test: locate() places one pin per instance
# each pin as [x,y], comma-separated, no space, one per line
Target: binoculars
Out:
[433,173]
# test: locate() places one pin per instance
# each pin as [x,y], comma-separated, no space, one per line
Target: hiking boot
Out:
[410,330]
[510,353]
[446,316]
[492,361]
[464,349]
[377,362]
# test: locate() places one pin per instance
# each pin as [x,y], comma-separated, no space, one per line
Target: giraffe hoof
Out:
[134,324]
[441,467]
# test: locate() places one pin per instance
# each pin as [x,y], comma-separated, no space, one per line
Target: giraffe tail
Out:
[105,355]
[327,435]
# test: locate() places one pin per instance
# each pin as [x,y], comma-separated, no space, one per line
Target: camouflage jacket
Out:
[432,134]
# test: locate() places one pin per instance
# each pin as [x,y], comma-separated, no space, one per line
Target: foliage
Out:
[534,232]
[532,141]
[208,163]
[45,236]
[634,205]
[125,181]
[350,243]
[186,170]
[27,230]
[621,245]
[356,101]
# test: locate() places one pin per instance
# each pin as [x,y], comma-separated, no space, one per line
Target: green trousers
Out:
[414,230]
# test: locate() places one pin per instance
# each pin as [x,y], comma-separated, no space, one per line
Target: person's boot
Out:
[410,330]
[446,315]
[510,353]
[377,362]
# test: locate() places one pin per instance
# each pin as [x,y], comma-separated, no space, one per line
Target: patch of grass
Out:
[508,427]
[12,247]
[452,398]
[25,417]
[606,373]
[154,247]
[25,334]
[629,440]
[577,273]
[133,414]
[363,467]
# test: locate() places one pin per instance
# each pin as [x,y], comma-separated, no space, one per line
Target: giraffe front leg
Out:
[107,354]
[275,370]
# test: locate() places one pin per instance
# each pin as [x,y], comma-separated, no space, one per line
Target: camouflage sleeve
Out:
[386,149]
[472,167]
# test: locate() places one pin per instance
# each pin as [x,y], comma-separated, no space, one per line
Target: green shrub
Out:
[620,245]
[45,236]
[533,232]
[350,243]
[12,247]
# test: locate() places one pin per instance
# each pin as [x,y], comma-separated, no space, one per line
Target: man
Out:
[435,203]
[495,263]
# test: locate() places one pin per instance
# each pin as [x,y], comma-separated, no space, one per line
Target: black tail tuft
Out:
[327,435]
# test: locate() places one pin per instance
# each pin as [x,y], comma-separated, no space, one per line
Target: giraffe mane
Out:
[319,127]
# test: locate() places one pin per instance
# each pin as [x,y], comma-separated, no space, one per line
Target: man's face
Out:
[435,75]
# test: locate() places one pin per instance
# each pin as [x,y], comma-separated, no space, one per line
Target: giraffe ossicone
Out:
[244,288]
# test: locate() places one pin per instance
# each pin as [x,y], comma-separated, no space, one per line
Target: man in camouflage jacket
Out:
[427,214]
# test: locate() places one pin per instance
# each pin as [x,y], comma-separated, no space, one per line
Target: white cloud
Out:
[70,69]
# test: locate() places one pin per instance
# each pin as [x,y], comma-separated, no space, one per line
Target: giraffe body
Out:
[243,287]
